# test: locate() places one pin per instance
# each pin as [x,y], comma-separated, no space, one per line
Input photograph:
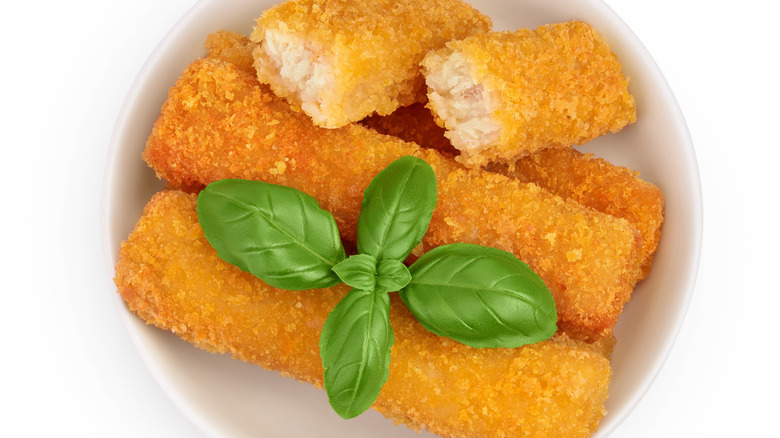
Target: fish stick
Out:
[340,61]
[171,277]
[593,182]
[503,95]
[219,123]
[598,184]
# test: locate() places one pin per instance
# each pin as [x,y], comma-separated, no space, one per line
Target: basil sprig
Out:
[397,207]
[480,296]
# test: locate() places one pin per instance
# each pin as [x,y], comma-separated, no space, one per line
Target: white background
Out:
[68,367]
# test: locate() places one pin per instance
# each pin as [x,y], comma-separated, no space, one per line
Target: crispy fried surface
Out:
[559,85]
[171,277]
[219,123]
[374,46]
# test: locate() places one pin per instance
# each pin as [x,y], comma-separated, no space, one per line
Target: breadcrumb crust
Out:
[218,123]
[171,277]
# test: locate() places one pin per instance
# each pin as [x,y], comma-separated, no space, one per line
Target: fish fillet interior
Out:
[300,68]
[463,103]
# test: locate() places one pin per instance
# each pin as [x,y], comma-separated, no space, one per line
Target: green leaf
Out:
[480,296]
[277,233]
[397,207]
[391,275]
[358,271]
[355,348]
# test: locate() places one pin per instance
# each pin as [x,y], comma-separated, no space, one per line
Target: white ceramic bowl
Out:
[227,398]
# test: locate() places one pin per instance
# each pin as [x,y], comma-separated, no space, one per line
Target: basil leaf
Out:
[277,233]
[391,275]
[355,348]
[480,296]
[358,271]
[397,207]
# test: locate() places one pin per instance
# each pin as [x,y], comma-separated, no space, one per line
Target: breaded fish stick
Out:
[569,173]
[503,95]
[172,278]
[598,184]
[340,61]
[219,123]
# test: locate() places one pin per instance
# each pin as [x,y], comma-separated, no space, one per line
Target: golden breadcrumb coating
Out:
[598,184]
[231,47]
[342,60]
[172,278]
[219,122]
[553,87]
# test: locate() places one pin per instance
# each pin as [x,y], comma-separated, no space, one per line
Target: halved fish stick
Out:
[219,123]
[503,95]
[340,61]
[569,173]
[172,278]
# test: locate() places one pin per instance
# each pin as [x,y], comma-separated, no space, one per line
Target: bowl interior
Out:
[228,398]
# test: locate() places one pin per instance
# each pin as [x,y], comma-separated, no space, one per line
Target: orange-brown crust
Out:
[218,123]
[172,278]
